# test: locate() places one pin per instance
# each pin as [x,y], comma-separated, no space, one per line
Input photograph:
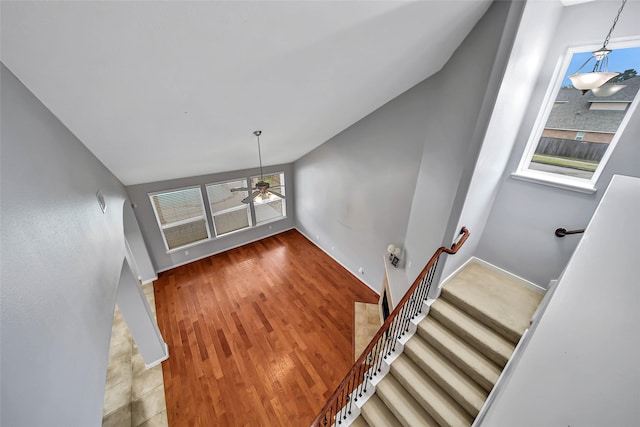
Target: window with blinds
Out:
[227,210]
[269,209]
[181,217]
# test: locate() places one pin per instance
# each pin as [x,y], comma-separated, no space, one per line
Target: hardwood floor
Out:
[258,336]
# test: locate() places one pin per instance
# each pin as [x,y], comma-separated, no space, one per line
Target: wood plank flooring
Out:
[258,336]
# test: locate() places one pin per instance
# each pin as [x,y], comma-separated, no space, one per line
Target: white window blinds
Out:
[181,217]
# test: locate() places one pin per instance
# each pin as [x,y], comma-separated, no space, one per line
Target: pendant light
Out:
[600,73]
[607,90]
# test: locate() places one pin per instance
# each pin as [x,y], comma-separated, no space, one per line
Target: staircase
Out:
[451,363]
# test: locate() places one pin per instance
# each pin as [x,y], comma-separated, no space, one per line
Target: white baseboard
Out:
[160,360]
[146,282]
[377,291]
[223,250]
[524,282]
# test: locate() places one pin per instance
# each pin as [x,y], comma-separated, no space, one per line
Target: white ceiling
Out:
[162,90]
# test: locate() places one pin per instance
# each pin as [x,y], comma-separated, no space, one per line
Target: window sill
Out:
[270,221]
[566,183]
[187,246]
[199,242]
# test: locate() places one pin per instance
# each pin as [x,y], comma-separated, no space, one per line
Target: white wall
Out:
[518,235]
[61,261]
[139,196]
[580,367]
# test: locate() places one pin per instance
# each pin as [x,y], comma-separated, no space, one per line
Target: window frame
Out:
[283,185]
[232,209]
[208,213]
[583,185]
[181,222]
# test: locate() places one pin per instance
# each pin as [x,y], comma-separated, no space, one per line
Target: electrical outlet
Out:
[333,248]
[408,264]
[317,237]
[269,227]
[361,270]
[186,252]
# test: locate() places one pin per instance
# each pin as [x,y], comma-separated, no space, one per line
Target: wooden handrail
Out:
[366,357]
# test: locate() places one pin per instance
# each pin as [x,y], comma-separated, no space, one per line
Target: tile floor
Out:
[134,395]
[367,322]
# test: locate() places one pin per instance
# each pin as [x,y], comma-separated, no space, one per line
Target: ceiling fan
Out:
[262,191]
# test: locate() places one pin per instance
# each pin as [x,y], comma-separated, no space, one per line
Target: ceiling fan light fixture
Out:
[600,73]
[265,197]
[260,193]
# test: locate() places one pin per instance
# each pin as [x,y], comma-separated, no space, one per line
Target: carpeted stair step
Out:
[440,406]
[461,354]
[450,378]
[493,298]
[376,413]
[403,406]
[482,338]
[450,365]
[359,422]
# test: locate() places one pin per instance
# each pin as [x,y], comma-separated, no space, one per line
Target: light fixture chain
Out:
[615,21]
[260,155]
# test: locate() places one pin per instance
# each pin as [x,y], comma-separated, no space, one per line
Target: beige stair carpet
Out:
[451,364]
[494,298]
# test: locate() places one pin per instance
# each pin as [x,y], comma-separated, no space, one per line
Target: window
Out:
[181,217]
[227,210]
[576,132]
[268,209]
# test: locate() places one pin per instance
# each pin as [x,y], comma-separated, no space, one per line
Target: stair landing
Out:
[494,297]
[453,361]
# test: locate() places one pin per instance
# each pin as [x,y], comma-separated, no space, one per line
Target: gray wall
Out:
[460,99]
[355,193]
[61,261]
[139,196]
[519,232]
[528,54]
[139,317]
[138,258]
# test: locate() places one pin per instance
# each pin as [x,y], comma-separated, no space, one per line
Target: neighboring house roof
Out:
[571,109]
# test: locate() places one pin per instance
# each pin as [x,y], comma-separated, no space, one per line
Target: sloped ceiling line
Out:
[163,90]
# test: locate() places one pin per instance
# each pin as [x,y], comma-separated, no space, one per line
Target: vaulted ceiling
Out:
[162,90]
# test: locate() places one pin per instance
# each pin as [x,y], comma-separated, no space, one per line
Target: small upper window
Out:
[576,132]
[268,209]
[228,212]
[181,217]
